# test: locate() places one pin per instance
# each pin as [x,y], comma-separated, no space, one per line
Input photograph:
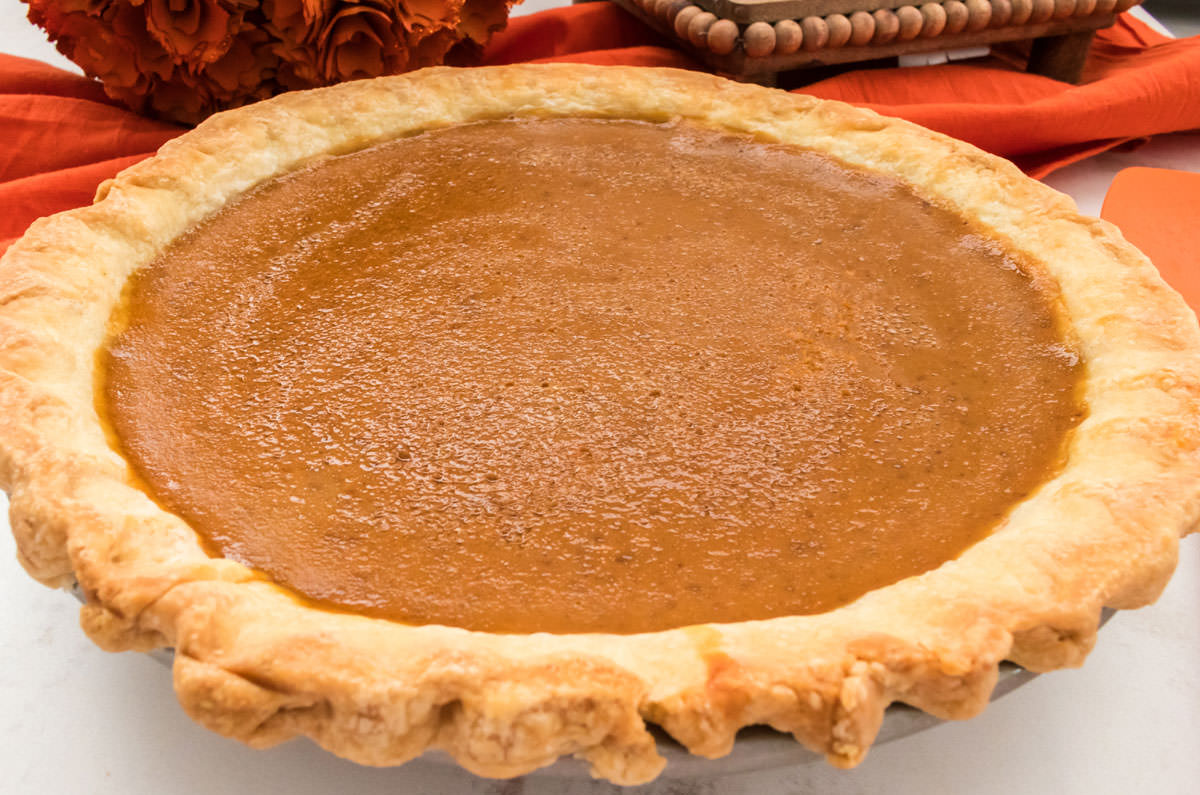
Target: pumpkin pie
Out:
[507,411]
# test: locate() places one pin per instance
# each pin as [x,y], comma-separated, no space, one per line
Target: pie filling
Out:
[579,375]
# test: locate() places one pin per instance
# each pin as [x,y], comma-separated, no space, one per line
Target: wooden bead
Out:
[956,16]
[1022,9]
[1002,12]
[839,30]
[1064,9]
[664,9]
[1085,8]
[722,37]
[1042,11]
[788,36]
[1125,5]
[933,18]
[862,28]
[911,23]
[816,33]
[979,15]
[684,18]
[1105,6]
[697,31]
[673,7]
[759,39]
[887,27]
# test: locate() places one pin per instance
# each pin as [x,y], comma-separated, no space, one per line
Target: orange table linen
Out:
[60,136]
[1158,210]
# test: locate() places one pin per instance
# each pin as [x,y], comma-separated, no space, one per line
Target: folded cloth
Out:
[63,136]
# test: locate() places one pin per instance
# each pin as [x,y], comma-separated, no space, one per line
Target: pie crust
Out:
[253,662]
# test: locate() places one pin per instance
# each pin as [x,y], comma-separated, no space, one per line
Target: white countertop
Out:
[74,719]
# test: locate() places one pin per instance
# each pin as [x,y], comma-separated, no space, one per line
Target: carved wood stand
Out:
[756,40]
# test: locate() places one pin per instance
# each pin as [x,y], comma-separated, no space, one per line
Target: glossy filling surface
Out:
[584,375]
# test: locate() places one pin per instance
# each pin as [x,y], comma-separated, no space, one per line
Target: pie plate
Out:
[757,747]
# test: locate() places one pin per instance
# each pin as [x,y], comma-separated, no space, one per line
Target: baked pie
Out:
[508,410]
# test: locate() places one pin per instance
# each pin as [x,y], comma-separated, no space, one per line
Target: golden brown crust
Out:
[253,663]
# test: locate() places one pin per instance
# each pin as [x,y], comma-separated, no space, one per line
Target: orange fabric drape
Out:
[60,136]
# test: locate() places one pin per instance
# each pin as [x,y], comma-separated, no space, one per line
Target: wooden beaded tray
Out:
[756,40]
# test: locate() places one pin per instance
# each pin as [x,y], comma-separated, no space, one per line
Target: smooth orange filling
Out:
[584,375]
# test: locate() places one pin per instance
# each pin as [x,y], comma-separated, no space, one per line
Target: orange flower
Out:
[430,47]
[296,21]
[151,59]
[360,41]
[481,18]
[199,31]
[427,13]
[185,59]
[101,52]
[93,8]
[295,25]
[246,68]
[183,100]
